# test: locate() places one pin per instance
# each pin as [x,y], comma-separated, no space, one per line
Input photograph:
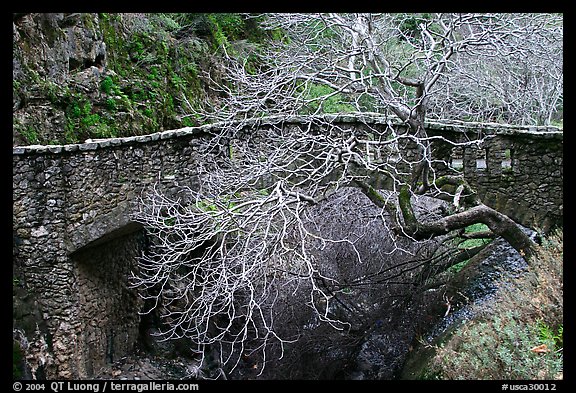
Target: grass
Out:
[520,334]
[470,243]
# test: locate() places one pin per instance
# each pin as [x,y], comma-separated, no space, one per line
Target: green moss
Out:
[151,77]
[16,86]
[473,243]
[405,204]
[70,132]
[188,121]
[225,28]
[30,134]
[83,122]
[156,71]
[111,104]
[107,84]
[375,195]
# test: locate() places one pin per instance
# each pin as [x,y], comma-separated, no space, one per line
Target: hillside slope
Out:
[79,76]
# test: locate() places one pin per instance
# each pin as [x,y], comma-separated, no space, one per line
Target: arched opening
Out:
[108,307]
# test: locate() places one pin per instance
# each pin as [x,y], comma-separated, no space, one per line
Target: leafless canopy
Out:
[223,259]
[481,67]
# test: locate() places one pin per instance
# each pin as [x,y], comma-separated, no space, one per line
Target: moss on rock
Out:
[107,75]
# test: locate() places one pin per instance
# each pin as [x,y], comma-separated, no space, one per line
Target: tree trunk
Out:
[498,223]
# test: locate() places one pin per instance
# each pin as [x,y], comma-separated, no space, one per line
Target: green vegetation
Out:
[502,347]
[170,221]
[517,336]
[29,133]
[550,334]
[107,85]
[84,122]
[472,243]
[225,27]
[458,267]
[206,206]
[147,70]
[463,243]
[324,99]
[151,79]
[409,24]
[159,76]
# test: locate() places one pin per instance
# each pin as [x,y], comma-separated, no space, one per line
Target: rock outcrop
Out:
[85,75]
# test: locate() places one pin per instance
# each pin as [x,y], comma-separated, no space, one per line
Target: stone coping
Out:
[365,117]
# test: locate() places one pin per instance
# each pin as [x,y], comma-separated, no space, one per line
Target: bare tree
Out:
[226,255]
[461,66]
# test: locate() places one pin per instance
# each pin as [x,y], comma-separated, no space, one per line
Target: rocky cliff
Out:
[78,76]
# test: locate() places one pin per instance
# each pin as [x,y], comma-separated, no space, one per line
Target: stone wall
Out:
[107,305]
[519,172]
[75,242]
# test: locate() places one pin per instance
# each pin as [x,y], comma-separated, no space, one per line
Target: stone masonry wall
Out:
[75,243]
[519,172]
[107,305]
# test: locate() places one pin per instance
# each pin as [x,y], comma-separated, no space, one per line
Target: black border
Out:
[310,6]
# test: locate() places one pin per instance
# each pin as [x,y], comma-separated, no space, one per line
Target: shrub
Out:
[107,85]
[517,336]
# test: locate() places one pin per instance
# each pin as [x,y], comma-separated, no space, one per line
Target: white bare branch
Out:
[226,255]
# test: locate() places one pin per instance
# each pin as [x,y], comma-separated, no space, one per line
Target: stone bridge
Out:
[75,243]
